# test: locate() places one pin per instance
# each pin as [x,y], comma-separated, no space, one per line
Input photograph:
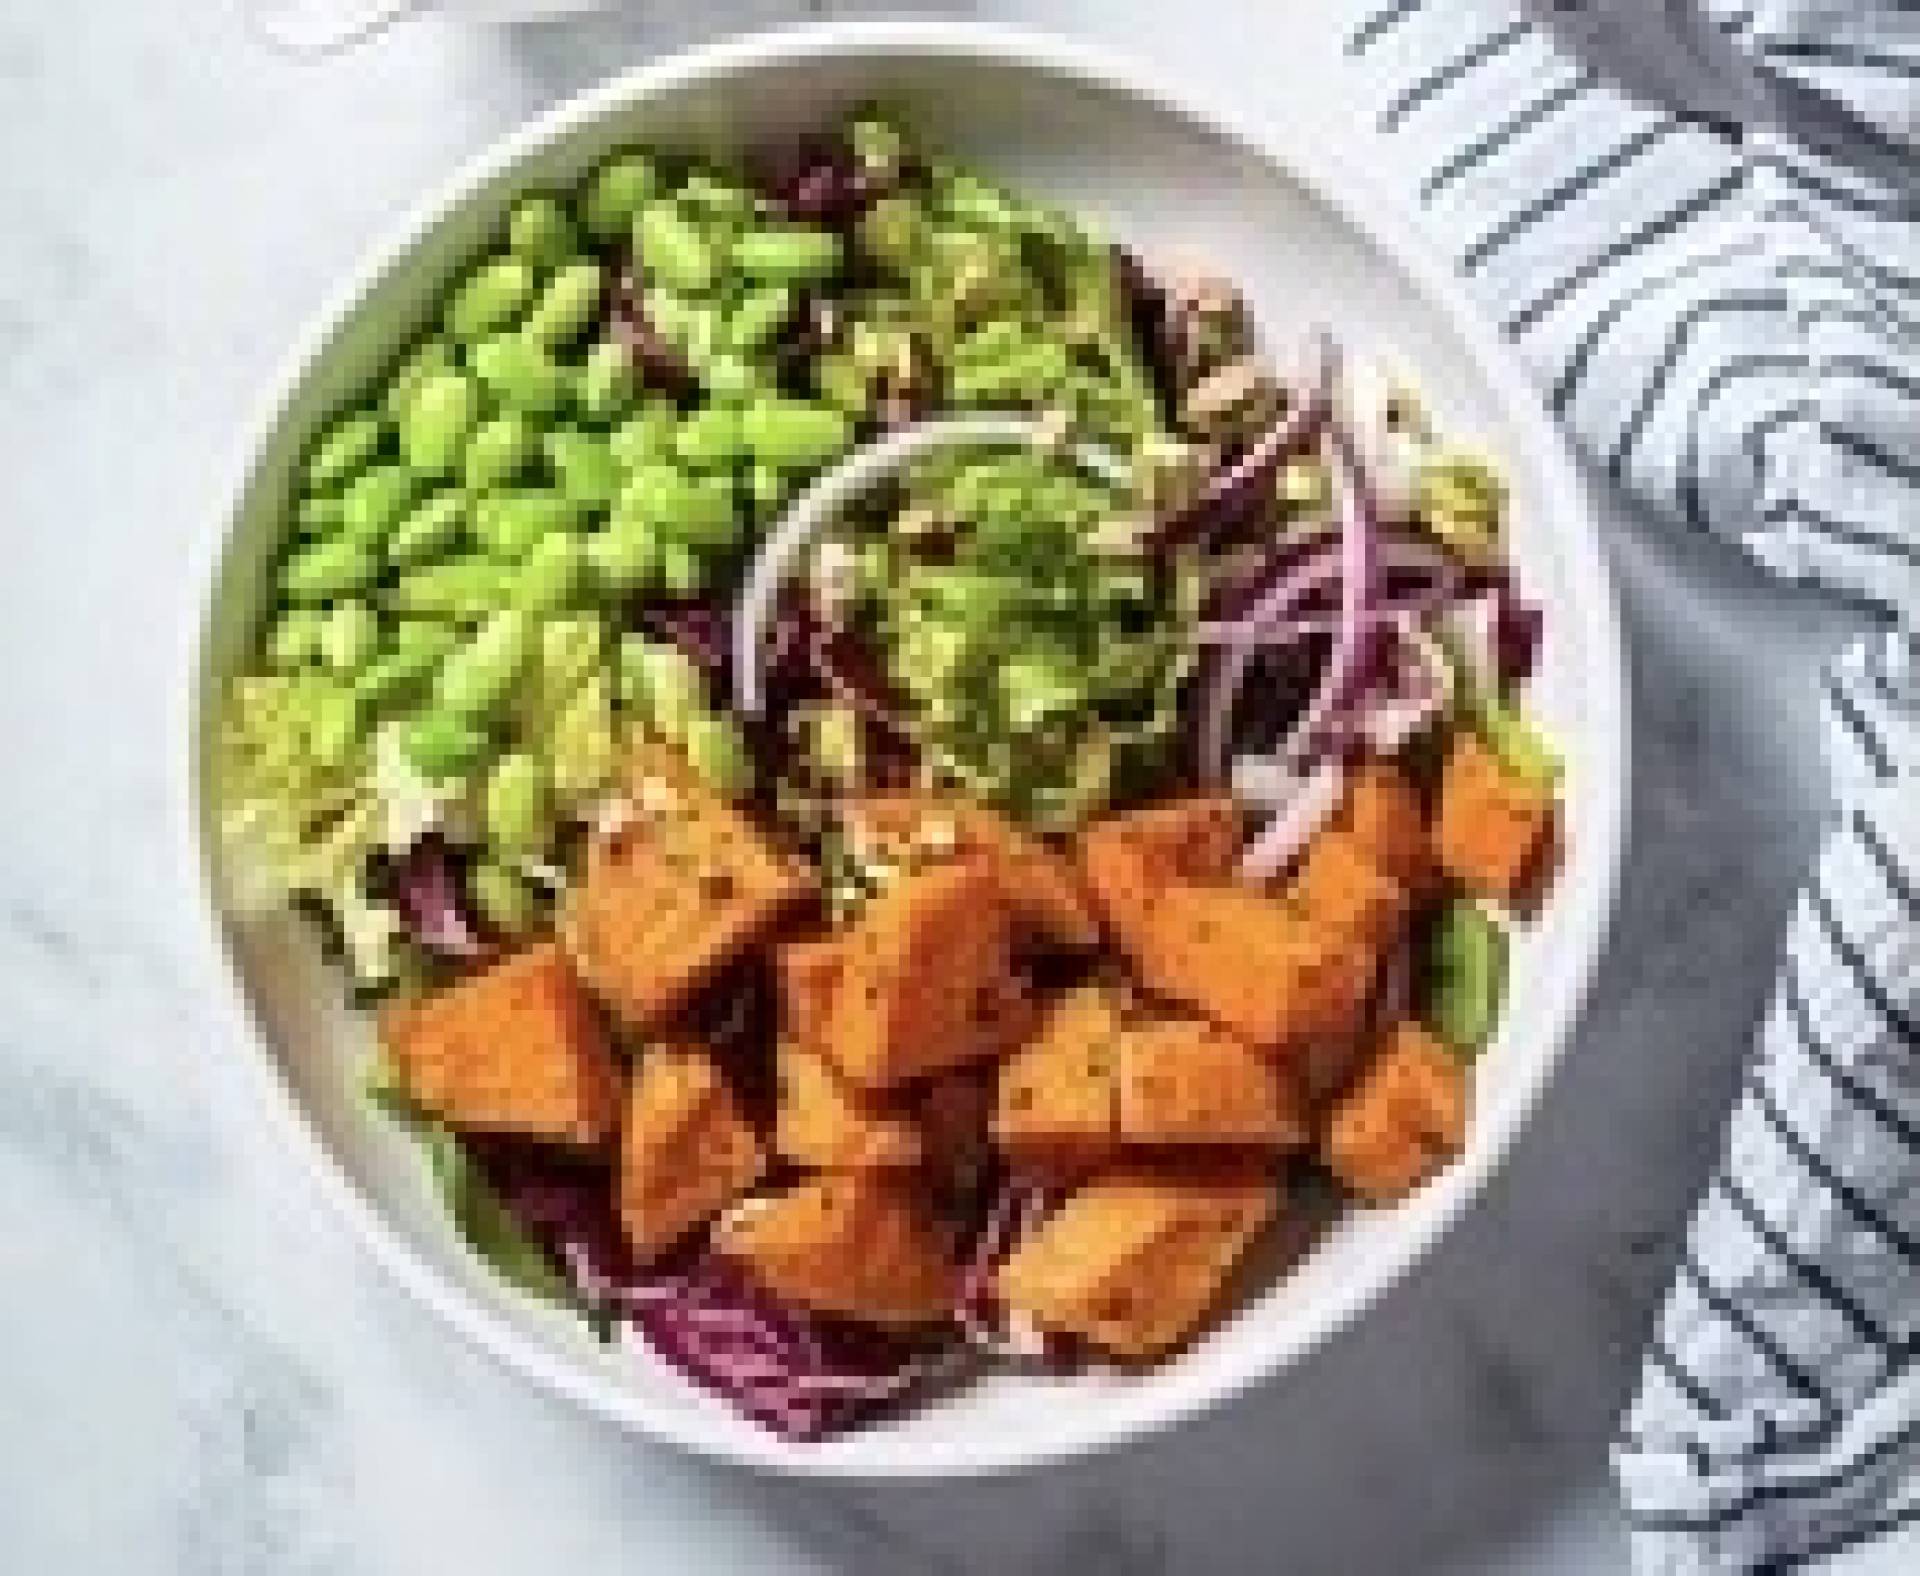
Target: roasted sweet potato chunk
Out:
[1382,812]
[1133,1261]
[1182,1081]
[1041,887]
[1128,860]
[1058,1096]
[677,883]
[809,974]
[1103,1074]
[821,1122]
[516,1049]
[1496,827]
[686,1152]
[1253,966]
[1340,886]
[1405,1117]
[862,1244]
[927,982]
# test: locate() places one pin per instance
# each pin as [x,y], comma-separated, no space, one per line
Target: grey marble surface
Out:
[200,1373]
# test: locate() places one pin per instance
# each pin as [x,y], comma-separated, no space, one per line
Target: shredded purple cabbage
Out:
[425,886]
[820,180]
[799,1374]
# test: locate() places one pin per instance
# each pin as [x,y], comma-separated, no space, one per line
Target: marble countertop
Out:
[199,1371]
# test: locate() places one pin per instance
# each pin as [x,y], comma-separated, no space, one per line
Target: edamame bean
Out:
[673,249]
[712,198]
[462,589]
[333,567]
[644,436]
[570,651]
[790,255]
[566,306]
[716,749]
[540,232]
[439,418]
[500,448]
[683,572]
[508,523]
[426,358]
[422,639]
[767,490]
[350,637]
[478,675]
[678,507]
[415,650]
[709,438]
[428,530]
[442,747]
[492,297]
[506,901]
[583,464]
[294,639]
[374,502]
[893,234]
[616,193]
[606,384]
[317,515]
[515,806]
[520,374]
[660,683]
[728,379]
[760,315]
[551,574]
[346,446]
[624,557]
[794,434]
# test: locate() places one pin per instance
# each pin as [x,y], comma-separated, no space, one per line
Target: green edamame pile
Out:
[605,411]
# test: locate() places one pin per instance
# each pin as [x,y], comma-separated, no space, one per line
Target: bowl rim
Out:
[1333,179]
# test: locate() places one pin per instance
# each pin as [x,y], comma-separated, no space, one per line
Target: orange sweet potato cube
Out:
[1041,887]
[1253,966]
[1182,1081]
[516,1049]
[927,982]
[686,1152]
[1496,827]
[677,883]
[809,977]
[1128,860]
[1382,812]
[861,1244]
[1405,1117]
[1134,1260]
[1057,1095]
[821,1122]
[1341,887]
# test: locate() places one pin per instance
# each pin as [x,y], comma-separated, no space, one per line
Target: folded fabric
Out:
[1728,323]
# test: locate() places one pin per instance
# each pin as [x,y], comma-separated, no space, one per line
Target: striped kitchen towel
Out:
[1726,316]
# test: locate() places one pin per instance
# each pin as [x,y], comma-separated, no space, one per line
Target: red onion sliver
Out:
[1294,825]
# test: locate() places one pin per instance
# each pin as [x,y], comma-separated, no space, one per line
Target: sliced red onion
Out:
[1420,688]
[1233,494]
[1294,823]
[1018,1209]
[1357,571]
[1437,587]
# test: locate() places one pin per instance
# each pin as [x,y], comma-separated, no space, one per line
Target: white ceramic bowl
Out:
[1312,245]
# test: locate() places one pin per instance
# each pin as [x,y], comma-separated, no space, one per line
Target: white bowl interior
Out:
[1162,178]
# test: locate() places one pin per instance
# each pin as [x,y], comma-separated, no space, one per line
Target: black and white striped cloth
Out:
[1727,318]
